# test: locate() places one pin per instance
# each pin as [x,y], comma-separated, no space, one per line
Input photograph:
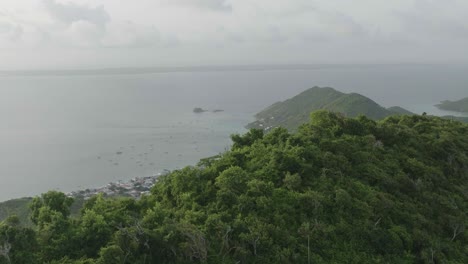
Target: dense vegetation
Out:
[18,207]
[339,190]
[295,111]
[457,106]
[463,119]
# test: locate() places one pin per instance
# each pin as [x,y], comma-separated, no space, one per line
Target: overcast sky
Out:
[38,34]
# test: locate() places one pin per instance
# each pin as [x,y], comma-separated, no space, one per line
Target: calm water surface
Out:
[76,132]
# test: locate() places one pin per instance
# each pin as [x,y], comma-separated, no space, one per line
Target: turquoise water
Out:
[77,132]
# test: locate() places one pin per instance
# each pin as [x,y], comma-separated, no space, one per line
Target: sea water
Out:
[76,132]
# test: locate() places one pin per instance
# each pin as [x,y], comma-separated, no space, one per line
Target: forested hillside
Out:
[295,111]
[339,190]
[18,207]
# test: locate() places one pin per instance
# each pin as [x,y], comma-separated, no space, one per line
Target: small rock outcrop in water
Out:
[201,110]
[198,110]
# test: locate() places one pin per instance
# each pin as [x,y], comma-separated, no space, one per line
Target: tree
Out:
[55,201]
[111,255]
[18,244]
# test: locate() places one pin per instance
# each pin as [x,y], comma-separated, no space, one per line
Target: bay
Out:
[76,132]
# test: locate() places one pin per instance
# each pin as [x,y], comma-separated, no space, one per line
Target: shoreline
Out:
[135,188]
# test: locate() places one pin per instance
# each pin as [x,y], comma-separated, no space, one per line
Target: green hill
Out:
[18,207]
[295,111]
[339,190]
[456,106]
[463,119]
[399,110]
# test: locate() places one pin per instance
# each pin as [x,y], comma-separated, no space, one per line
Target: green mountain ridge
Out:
[295,111]
[456,106]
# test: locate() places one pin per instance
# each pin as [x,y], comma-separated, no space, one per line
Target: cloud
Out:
[197,31]
[342,24]
[83,33]
[69,13]
[130,34]
[445,19]
[215,5]
[280,24]
[91,27]
[10,32]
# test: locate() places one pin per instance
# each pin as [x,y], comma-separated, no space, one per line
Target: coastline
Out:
[135,188]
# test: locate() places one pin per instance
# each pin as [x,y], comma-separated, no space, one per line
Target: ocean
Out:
[72,132]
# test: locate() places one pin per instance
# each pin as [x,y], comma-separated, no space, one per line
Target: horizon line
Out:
[133,70]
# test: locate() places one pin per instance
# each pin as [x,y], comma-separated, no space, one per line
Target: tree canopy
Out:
[339,190]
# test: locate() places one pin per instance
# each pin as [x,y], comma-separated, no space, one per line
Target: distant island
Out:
[295,111]
[456,106]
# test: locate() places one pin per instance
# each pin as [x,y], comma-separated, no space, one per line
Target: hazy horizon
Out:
[119,69]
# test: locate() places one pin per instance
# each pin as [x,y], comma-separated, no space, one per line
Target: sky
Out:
[70,34]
